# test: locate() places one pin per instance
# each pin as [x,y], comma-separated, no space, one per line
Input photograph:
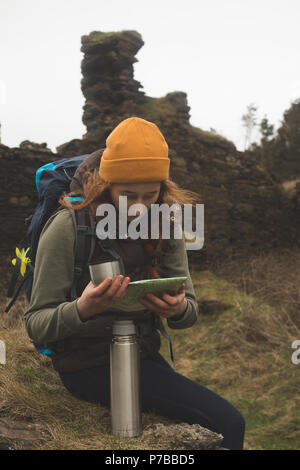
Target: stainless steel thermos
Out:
[124,361]
[125,380]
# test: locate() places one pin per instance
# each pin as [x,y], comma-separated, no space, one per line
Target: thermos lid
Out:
[124,327]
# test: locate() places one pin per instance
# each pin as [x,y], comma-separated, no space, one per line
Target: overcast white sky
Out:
[225,54]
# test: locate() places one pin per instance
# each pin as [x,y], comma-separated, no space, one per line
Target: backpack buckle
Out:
[78,271]
[85,229]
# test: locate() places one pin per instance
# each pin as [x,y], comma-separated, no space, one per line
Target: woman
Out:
[134,163]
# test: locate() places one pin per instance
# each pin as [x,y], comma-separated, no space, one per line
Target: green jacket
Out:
[50,316]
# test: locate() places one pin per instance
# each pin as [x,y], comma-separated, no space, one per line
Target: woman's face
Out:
[137,193]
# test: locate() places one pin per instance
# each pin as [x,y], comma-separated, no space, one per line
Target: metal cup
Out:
[101,270]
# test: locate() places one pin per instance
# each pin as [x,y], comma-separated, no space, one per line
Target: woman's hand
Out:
[96,299]
[169,306]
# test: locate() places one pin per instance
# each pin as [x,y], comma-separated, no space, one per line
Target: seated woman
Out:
[134,163]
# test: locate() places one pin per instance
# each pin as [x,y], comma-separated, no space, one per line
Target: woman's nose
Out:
[138,201]
[142,209]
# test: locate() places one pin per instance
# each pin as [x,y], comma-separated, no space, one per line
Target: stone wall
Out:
[18,195]
[244,209]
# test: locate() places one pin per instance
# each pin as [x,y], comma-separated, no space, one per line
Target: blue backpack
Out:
[52,179]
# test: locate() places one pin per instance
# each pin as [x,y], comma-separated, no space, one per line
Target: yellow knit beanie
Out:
[135,151]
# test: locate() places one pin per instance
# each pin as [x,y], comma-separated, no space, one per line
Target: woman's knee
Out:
[239,422]
[234,431]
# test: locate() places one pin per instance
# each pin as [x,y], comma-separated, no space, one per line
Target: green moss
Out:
[153,107]
[98,36]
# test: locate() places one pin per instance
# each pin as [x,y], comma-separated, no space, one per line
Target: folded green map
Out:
[138,289]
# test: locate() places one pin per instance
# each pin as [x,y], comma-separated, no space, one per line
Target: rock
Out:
[27,144]
[207,307]
[22,201]
[18,434]
[184,436]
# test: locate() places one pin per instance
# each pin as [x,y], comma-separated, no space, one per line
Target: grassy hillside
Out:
[240,348]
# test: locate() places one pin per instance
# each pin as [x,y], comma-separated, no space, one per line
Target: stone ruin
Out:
[245,210]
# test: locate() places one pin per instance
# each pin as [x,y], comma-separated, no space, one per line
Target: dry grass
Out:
[242,353]
[252,347]
[31,391]
[289,187]
[271,277]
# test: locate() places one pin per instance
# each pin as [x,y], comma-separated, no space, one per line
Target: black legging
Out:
[166,393]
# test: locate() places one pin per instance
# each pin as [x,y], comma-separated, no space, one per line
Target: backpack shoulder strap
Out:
[85,235]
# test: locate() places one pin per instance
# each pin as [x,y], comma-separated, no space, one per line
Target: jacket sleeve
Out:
[50,316]
[175,264]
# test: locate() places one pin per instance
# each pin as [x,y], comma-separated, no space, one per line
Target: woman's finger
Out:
[173,299]
[157,301]
[101,288]
[115,285]
[161,307]
[122,289]
[150,305]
